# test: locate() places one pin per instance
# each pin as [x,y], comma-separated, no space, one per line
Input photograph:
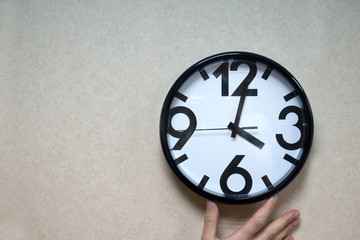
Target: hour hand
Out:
[247,136]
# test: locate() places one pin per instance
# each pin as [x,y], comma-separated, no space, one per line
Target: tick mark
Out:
[204,75]
[267,182]
[291,159]
[290,96]
[181,96]
[203,182]
[267,73]
[181,159]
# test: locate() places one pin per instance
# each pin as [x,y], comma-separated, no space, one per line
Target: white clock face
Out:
[236,129]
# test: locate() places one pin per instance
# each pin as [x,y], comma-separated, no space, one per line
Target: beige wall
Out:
[81,89]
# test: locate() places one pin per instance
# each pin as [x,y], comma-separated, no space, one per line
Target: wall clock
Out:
[236,127]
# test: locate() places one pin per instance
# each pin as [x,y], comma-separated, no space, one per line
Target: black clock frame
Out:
[252,57]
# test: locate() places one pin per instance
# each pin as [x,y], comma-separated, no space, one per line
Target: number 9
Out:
[183,135]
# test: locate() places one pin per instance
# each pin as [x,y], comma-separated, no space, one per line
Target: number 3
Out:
[299,124]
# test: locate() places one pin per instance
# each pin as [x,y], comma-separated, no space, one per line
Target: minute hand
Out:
[238,114]
[246,135]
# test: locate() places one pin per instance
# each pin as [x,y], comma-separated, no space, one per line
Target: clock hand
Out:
[220,129]
[217,129]
[246,135]
[238,114]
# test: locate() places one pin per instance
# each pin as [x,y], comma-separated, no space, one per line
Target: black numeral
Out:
[243,90]
[223,71]
[299,124]
[231,169]
[183,135]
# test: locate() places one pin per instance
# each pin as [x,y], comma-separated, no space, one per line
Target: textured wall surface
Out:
[81,89]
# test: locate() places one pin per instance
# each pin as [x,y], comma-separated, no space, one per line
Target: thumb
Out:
[210,221]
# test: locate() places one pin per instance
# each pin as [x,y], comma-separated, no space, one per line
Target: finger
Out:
[280,227]
[289,238]
[284,234]
[210,221]
[258,220]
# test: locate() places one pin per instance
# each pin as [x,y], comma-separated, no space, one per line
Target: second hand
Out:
[219,129]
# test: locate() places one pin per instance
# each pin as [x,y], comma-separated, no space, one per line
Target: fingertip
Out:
[270,203]
[274,199]
[211,212]
[296,214]
[210,205]
[295,223]
[210,221]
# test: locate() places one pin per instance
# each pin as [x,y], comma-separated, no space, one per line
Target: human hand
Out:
[256,228]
